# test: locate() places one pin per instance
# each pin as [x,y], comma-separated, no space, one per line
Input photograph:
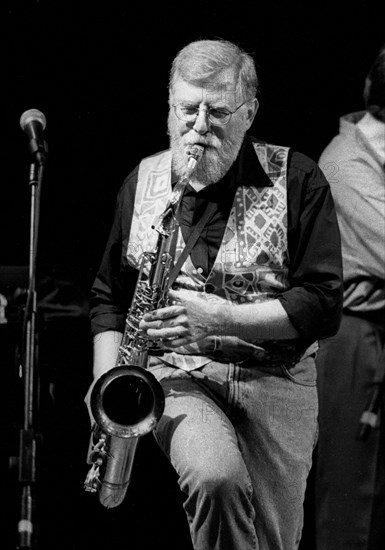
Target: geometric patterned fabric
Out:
[252,261]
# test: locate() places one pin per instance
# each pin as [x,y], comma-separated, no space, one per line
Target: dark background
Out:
[99,73]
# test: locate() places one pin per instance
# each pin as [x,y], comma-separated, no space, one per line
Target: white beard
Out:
[218,156]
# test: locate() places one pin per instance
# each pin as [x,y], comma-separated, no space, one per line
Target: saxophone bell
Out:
[127,403]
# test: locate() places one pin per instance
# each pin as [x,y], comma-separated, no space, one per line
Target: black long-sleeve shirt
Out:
[314,298]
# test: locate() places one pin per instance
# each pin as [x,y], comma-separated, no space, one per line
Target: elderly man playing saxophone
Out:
[258,289]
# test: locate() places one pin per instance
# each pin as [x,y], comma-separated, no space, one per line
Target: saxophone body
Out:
[127,401]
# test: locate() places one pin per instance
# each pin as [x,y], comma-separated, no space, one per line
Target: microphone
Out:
[33,123]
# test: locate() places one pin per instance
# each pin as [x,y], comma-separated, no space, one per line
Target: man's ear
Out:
[252,108]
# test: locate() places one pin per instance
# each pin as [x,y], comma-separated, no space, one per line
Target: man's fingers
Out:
[164,313]
[177,342]
[167,333]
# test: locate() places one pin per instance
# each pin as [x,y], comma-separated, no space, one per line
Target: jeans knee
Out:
[219,483]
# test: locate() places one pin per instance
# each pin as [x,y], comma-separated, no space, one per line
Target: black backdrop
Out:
[99,72]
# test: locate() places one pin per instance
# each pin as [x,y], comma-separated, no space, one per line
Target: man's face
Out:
[221,142]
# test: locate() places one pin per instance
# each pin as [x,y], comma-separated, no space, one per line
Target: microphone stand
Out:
[28,433]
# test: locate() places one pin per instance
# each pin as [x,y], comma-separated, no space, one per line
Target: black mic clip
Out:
[38,148]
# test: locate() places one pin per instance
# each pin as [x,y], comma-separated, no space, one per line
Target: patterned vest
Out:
[252,261]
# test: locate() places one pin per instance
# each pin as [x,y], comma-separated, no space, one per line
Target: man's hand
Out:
[195,315]
[191,317]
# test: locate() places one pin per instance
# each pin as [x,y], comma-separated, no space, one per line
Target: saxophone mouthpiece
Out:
[194,156]
[196,152]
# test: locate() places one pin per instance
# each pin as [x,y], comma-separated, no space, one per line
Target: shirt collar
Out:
[249,171]
[368,131]
[373,131]
[246,170]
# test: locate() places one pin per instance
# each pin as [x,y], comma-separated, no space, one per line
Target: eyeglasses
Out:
[189,113]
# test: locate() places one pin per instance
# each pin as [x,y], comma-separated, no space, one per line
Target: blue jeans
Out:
[241,441]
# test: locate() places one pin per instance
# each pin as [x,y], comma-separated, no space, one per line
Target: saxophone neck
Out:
[194,156]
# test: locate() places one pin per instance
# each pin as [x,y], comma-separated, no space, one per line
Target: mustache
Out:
[210,141]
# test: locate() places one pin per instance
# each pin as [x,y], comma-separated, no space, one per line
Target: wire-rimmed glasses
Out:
[216,115]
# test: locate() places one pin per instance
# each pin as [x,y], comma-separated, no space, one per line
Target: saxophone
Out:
[127,401]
